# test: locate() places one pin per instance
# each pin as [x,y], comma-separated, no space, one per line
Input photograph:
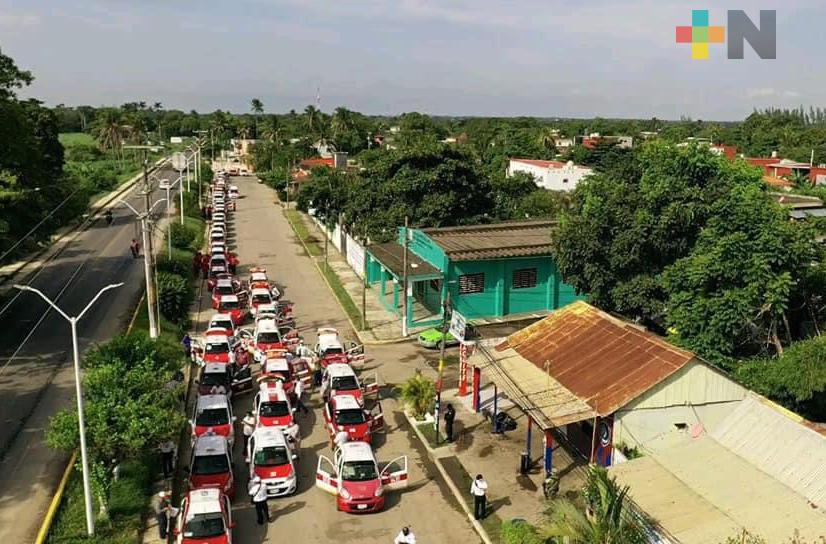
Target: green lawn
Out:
[69,139]
[309,242]
[492,523]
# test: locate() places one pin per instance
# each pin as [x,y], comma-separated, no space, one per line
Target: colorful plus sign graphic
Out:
[700,34]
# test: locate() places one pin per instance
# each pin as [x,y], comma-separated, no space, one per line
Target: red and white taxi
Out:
[215,375]
[329,349]
[213,416]
[258,296]
[344,413]
[212,464]
[231,304]
[272,408]
[222,321]
[265,336]
[205,517]
[272,459]
[218,268]
[341,379]
[355,479]
[217,347]
[223,286]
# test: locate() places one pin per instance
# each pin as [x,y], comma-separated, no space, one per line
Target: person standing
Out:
[405,536]
[340,439]
[133,248]
[450,415]
[167,449]
[248,427]
[186,342]
[205,265]
[299,390]
[196,264]
[160,504]
[479,489]
[258,493]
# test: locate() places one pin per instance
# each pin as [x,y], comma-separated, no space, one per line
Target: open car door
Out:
[242,380]
[370,387]
[376,418]
[325,476]
[355,354]
[394,474]
[300,369]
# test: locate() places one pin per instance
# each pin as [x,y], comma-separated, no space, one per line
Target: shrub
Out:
[183,236]
[517,531]
[173,296]
[180,263]
[418,394]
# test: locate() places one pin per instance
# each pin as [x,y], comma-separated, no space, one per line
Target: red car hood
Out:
[280,471]
[275,421]
[220,430]
[335,358]
[362,490]
[264,346]
[216,357]
[222,539]
[357,432]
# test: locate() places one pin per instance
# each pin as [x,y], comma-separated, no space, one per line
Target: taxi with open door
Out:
[222,321]
[217,346]
[223,286]
[341,379]
[232,305]
[213,416]
[345,413]
[212,464]
[215,375]
[258,296]
[356,480]
[330,349]
[272,458]
[205,517]
[272,408]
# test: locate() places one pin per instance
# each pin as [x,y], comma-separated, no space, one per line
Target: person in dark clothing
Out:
[134,247]
[186,342]
[205,265]
[196,264]
[161,505]
[450,415]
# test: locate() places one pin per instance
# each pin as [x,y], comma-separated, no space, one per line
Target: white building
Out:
[552,175]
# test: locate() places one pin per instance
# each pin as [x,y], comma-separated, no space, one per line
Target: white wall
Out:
[564,178]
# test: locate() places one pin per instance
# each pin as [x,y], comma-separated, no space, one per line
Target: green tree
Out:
[12,77]
[418,394]
[257,108]
[608,518]
[109,130]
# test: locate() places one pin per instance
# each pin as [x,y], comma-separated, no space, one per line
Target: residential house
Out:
[552,175]
[594,139]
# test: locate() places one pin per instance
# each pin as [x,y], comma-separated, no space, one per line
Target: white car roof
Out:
[357,451]
[261,291]
[271,392]
[229,298]
[328,339]
[346,402]
[266,325]
[268,437]
[224,282]
[206,500]
[338,370]
[259,276]
[210,444]
[211,402]
[233,187]
[267,307]
[218,331]
[215,367]
[277,365]
[219,317]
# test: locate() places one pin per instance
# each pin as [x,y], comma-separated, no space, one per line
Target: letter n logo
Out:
[763,39]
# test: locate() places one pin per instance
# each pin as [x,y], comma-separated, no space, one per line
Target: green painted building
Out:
[488,271]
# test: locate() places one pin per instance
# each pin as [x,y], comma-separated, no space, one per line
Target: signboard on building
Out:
[458,325]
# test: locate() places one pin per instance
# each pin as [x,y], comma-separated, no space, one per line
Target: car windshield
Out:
[221,324]
[204,526]
[333,350]
[224,290]
[204,465]
[217,347]
[212,416]
[274,409]
[269,337]
[345,383]
[261,299]
[272,456]
[349,417]
[358,471]
[229,305]
[215,378]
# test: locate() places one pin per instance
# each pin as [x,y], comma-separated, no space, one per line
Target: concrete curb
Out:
[71,232]
[43,533]
[458,495]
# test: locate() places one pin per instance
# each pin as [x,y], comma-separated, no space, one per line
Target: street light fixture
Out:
[84,460]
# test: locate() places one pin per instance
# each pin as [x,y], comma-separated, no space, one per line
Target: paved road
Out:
[36,376]
[263,237]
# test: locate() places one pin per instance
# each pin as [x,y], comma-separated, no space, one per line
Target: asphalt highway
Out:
[36,376]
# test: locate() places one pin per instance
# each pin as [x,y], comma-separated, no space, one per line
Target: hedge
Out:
[520,532]
[174,295]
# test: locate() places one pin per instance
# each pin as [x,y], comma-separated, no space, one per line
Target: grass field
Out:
[69,139]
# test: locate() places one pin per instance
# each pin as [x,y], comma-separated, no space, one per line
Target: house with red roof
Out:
[552,175]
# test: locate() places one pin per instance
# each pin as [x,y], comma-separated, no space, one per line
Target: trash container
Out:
[524,463]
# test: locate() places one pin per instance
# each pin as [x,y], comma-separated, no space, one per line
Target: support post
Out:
[147,257]
[84,459]
[549,451]
[463,356]
[528,440]
[477,378]
[364,293]
[404,280]
[495,405]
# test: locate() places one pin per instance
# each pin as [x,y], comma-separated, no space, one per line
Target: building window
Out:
[524,278]
[471,283]
[564,180]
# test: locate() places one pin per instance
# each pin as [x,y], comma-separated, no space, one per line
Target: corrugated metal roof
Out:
[602,360]
[494,241]
[391,255]
[780,444]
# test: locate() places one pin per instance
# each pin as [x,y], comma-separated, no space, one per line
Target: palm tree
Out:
[417,393]
[341,122]
[109,130]
[608,518]
[311,114]
[257,108]
[547,140]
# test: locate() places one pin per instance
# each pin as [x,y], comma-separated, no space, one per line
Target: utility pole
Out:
[404,279]
[445,311]
[147,255]
[364,293]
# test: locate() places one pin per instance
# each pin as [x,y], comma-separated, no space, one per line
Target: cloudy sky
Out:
[449,57]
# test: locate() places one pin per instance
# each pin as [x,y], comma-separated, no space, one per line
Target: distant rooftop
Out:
[494,241]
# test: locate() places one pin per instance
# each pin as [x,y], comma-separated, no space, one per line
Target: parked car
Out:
[341,379]
[205,515]
[272,458]
[345,413]
[213,416]
[211,464]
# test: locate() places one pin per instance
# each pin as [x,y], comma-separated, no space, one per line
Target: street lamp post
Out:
[84,459]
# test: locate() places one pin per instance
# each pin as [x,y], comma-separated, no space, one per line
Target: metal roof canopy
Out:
[494,241]
[391,256]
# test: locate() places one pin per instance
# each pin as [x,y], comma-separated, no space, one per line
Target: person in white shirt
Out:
[341,438]
[299,390]
[405,536]
[258,492]
[478,489]
[248,427]
[167,449]
[218,390]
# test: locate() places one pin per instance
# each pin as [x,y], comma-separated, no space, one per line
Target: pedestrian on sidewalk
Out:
[196,264]
[135,248]
[248,427]
[299,390]
[205,265]
[450,415]
[479,489]
[160,505]
[405,536]
[167,449]
[258,493]
[186,342]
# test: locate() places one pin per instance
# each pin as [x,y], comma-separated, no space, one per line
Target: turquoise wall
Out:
[422,245]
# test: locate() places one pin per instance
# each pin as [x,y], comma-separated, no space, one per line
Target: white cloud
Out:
[15,20]
[770,92]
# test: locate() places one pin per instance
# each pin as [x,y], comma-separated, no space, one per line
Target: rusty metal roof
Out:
[497,240]
[391,255]
[602,360]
